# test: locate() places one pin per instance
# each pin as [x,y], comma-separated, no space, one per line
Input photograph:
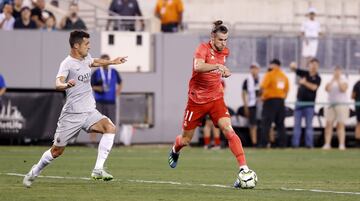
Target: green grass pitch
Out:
[142,173]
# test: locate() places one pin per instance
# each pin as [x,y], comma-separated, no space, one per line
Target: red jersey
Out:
[206,87]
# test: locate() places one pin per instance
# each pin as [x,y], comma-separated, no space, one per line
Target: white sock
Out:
[244,167]
[45,160]
[105,145]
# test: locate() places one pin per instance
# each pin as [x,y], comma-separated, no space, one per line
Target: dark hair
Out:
[276,62]
[77,36]
[104,56]
[24,8]
[314,60]
[219,27]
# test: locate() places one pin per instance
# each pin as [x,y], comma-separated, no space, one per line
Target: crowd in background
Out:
[263,96]
[169,12]
[32,14]
[18,15]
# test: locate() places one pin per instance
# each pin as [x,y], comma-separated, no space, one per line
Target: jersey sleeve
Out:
[301,73]
[201,52]
[63,70]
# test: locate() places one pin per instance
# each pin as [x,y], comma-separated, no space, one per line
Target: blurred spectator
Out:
[337,111]
[250,97]
[72,20]
[356,96]
[310,32]
[107,85]
[39,14]
[4,2]
[208,128]
[170,13]
[2,89]
[17,6]
[54,3]
[25,22]
[125,8]
[274,89]
[50,23]
[309,83]
[6,19]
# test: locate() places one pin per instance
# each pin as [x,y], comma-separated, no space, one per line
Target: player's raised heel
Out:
[100,174]
[29,178]
[173,158]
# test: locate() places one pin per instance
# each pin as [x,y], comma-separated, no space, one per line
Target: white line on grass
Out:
[185,184]
[320,191]
[129,180]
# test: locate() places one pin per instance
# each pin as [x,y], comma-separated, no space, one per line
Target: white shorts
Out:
[338,113]
[70,124]
[310,49]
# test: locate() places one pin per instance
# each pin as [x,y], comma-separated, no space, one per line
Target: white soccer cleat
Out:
[98,174]
[29,177]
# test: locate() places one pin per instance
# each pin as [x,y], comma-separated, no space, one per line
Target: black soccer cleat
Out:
[173,158]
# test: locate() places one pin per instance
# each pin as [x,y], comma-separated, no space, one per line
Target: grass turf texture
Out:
[306,169]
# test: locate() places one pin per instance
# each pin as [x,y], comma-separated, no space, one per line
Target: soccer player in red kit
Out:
[206,96]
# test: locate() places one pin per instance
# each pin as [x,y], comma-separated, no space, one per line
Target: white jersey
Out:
[79,98]
[311,28]
[335,95]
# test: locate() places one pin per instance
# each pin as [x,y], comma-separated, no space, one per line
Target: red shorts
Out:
[194,113]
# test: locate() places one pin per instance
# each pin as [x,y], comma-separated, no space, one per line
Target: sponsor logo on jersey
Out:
[85,77]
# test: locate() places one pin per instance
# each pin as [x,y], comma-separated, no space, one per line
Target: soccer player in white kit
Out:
[79,111]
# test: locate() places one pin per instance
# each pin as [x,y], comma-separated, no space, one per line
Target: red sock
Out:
[217,141]
[236,147]
[206,140]
[178,144]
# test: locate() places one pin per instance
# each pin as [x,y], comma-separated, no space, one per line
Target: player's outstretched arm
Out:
[103,62]
[61,85]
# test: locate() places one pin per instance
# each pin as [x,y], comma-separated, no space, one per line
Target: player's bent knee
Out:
[226,129]
[57,151]
[110,128]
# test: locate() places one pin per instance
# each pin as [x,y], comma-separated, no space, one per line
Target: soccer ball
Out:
[246,179]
